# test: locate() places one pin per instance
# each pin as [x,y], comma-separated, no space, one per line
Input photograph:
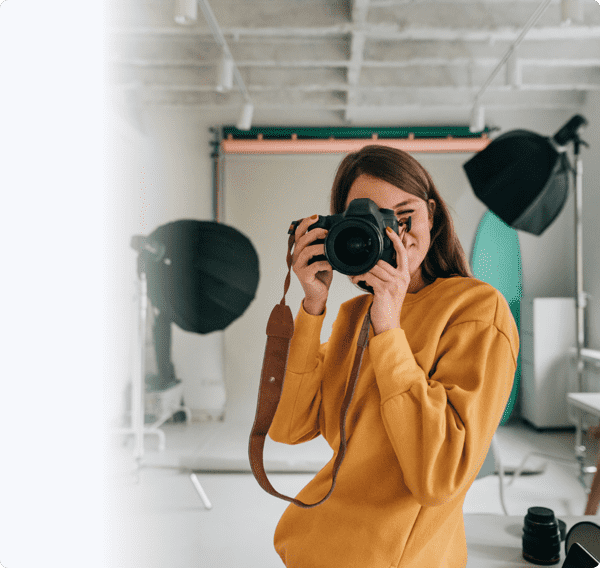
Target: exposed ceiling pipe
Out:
[534,18]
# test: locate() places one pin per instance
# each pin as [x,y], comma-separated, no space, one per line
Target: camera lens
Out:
[541,536]
[353,246]
[356,245]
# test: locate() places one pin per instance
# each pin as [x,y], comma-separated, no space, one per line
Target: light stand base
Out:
[200,490]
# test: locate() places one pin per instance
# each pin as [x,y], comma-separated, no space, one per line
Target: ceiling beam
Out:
[412,62]
[379,110]
[416,92]
[391,32]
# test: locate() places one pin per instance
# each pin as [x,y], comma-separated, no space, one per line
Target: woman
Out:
[434,381]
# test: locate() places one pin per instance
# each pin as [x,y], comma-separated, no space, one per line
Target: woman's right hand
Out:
[315,278]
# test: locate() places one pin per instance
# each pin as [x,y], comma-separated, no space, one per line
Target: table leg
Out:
[594,495]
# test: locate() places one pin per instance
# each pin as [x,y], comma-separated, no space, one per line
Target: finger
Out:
[397,239]
[384,270]
[364,278]
[377,271]
[397,236]
[310,239]
[307,222]
[308,252]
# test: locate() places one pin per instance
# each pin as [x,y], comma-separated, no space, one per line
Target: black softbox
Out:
[521,178]
[207,277]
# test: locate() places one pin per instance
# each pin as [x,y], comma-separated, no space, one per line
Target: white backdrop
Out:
[264,193]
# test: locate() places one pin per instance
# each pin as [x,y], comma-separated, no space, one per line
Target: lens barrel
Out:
[354,246]
[541,536]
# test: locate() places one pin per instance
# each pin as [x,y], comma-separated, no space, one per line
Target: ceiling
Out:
[354,62]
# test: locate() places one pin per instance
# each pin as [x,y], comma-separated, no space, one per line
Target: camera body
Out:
[356,240]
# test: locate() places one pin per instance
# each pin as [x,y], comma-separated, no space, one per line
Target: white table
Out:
[495,541]
[589,402]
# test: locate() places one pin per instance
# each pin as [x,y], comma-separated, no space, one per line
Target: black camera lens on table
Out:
[543,533]
[356,240]
[541,536]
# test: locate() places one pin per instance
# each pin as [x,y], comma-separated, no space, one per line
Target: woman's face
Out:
[404,204]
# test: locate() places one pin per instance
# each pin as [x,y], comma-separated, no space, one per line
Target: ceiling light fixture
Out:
[571,11]
[245,121]
[477,118]
[186,11]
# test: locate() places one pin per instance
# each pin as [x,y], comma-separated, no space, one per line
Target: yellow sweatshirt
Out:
[428,400]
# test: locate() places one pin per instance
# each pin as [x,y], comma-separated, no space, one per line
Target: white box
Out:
[547,334]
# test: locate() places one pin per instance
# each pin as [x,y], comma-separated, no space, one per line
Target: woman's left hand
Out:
[389,285]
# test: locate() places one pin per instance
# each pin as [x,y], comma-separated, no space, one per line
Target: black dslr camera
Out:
[356,239]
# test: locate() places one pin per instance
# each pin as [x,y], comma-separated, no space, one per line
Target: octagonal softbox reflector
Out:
[208,276]
[522,179]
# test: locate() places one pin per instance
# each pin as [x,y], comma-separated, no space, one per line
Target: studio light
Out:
[523,178]
[186,11]
[225,82]
[200,276]
[245,121]
[210,278]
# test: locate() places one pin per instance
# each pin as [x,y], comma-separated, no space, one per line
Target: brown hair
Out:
[446,256]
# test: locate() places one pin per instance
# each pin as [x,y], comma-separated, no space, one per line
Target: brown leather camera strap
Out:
[280,330]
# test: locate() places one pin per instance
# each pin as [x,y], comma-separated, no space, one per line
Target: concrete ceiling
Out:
[354,62]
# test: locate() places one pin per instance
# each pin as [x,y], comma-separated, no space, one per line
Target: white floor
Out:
[158,519]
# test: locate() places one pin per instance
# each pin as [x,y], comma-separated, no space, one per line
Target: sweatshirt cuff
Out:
[394,364]
[304,346]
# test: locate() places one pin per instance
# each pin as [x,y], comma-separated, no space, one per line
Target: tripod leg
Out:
[200,491]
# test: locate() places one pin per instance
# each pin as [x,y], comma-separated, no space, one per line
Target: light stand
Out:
[566,134]
[150,251]
[201,276]
[523,178]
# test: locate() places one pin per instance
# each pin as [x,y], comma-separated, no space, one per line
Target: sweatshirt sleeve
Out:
[297,417]
[441,426]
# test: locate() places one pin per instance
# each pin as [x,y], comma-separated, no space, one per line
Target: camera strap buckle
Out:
[280,330]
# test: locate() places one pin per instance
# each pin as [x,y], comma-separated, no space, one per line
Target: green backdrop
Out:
[496,259]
